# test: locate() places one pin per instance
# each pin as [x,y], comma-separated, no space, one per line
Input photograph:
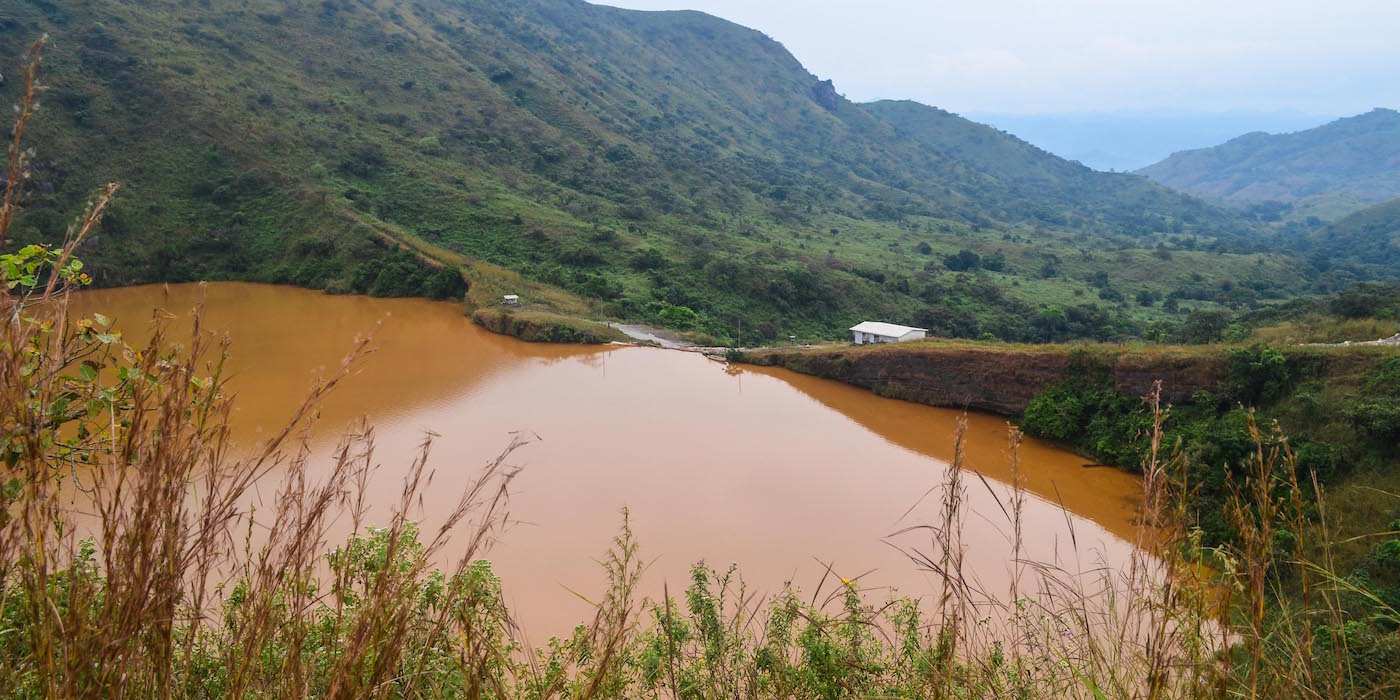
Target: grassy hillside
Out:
[1326,172]
[1072,187]
[664,167]
[1372,235]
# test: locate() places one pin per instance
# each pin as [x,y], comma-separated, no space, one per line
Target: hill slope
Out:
[1371,235]
[1328,171]
[1023,167]
[670,167]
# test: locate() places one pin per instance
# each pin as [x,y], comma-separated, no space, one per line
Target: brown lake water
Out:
[777,472]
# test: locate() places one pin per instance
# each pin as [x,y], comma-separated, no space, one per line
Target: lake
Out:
[779,473]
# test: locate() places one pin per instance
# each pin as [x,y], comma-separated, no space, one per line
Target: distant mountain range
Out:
[1129,140]
[1326,172]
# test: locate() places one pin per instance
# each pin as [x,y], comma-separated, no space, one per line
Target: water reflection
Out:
[779,473]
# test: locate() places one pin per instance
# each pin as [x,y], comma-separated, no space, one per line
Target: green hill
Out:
[669,167]
[1370,237]
[1121,198]
[1326,172]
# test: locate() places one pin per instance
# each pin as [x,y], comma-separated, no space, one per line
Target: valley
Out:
[355,374]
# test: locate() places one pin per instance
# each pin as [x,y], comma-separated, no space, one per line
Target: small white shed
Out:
[511,299]
[877,332]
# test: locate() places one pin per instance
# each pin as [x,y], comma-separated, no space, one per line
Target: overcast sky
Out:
[1333,57]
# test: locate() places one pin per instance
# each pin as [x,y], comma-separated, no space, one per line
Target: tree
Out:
[963,261]
[1205,326]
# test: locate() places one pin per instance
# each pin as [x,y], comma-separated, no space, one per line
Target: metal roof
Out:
[892,330]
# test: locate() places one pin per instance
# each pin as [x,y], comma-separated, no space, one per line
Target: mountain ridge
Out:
[668,167]
[1328,171]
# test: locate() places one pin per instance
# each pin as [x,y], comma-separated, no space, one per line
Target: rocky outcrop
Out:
[995,379]
[1392,341]
[824,94]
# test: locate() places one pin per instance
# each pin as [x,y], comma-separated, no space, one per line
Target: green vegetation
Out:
[1323,173]
[1362,246]
[1337,405]
[1364,312]
[373,617]
[669,168]
[545,327]
[1341,409]
[139,437]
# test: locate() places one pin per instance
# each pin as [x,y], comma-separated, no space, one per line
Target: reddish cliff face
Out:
[993,379]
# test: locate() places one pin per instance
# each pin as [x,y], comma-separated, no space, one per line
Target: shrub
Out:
[1056,414]
[679,317]
[1205,326]
[964,261]
[1257,375]
[365,160]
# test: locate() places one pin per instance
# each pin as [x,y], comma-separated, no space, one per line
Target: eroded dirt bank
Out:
[995,379]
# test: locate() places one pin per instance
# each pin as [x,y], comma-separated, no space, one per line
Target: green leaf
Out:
[88,372]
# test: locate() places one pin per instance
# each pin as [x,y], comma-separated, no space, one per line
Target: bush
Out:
[1375,411]
[1368,301]
[445,283]
[964,261]
[1055,414]
[1087,412]
[679,317]
[1257,375]
[1378,419]
[1111,295]
[1205,326]
[365,160]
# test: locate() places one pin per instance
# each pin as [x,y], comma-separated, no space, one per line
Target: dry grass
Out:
[489,283]
[1318,328]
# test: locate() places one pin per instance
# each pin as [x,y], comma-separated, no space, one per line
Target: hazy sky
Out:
[1026,56]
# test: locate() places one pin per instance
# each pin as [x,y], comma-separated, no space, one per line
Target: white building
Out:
[511,299]
[877,332]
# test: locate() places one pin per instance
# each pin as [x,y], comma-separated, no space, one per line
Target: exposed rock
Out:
[824,94]
[1392,341]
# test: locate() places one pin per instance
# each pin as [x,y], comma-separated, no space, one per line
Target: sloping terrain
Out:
[1371,235]
[668,167]
[1327,172]
[1120,198]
